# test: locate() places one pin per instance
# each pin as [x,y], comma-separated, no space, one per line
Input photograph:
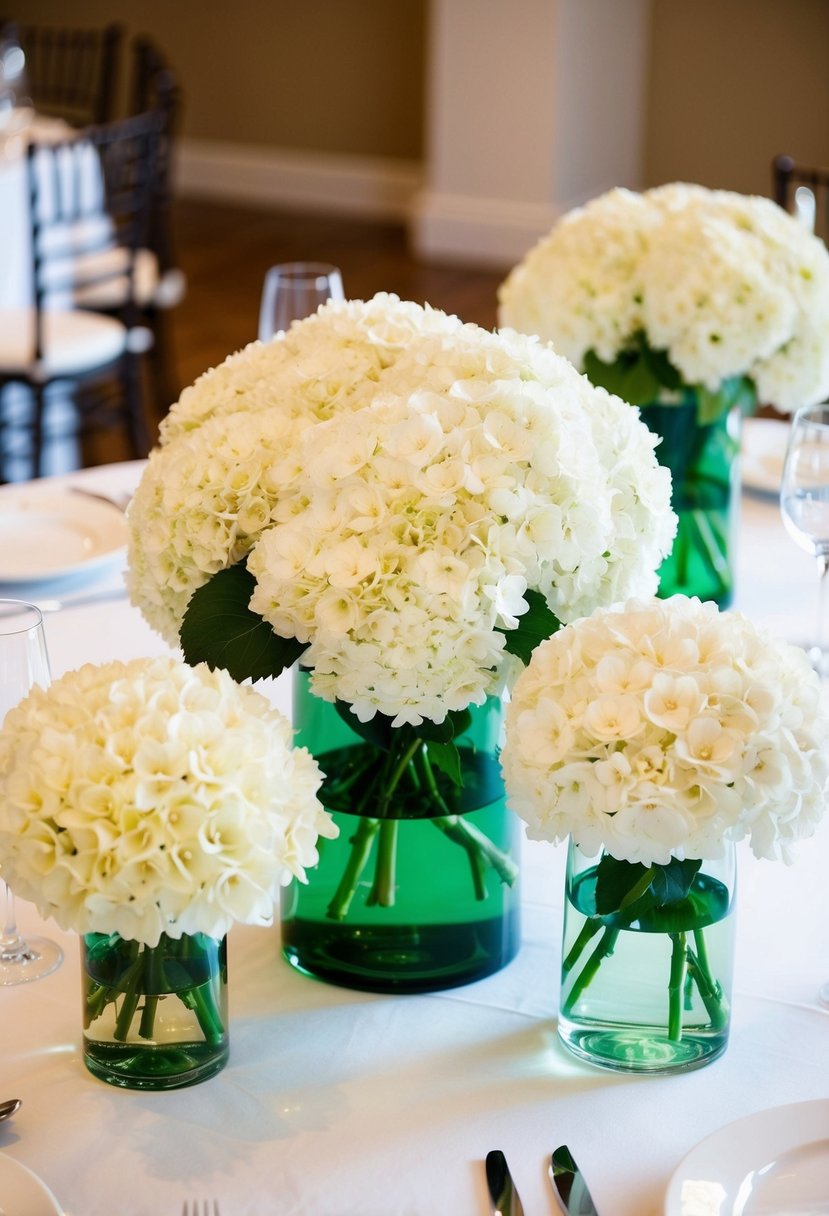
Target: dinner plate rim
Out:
[107,519]
[791,1123]
[32,1183]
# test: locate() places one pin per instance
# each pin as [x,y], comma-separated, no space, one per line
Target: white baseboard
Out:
[374,187]
[479,231]
[458,228]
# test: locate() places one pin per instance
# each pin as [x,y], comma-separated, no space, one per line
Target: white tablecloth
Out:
[340,1103]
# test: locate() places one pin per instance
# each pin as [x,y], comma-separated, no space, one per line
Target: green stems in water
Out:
[689,967]
[404,776]
[138,977]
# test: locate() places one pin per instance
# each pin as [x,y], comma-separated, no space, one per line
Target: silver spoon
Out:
[7,1109]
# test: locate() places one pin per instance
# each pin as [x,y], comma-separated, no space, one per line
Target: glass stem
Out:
[10,935]
[823,568]
[13,948]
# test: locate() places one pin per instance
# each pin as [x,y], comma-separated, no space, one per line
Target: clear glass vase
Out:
[652,994]
[703,457]
[154,1017]
[420,890]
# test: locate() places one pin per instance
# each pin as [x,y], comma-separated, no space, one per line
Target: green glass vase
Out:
[154,1017]
[702,456]
[650,994]
[420,890]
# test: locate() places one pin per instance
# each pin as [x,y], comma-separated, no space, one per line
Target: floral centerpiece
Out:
[148,806]
[408,537]
[693,304]
[655,736]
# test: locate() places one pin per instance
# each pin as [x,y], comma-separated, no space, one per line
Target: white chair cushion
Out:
[73,342]
[73,282]
[97,279]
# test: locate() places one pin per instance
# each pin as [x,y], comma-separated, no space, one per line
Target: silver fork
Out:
[205,1207]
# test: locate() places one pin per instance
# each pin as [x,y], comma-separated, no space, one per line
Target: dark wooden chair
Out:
[803,191]
[155,87]
[71,73]
[89,214]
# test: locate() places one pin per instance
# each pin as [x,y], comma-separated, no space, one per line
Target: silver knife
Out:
[502,1192]
[568,1183]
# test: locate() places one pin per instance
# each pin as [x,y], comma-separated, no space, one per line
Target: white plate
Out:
[48,534]
[774,1163]
[22,1193]
[763,450]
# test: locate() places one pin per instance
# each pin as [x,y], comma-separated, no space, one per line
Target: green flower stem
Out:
[144,978]
[361,844]
[385,870]
[200,1000]
[602,951]
[154,983]
[454,829]
[676,983]
[713,545]
[588,931]
[709,989]
[480,849]
[358,769]
[126,1013]
[382,890]
[407,766]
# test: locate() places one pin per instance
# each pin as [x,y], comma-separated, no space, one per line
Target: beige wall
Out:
[343,76]
[732,83]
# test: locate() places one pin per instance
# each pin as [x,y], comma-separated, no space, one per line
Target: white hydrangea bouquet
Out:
[156,803]
[692,304]
[681,286]
[405,505]
[654,734]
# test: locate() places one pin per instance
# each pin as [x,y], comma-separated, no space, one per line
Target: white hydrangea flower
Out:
[493,468]
[150,797]
[661,729]
[398,523]
[227,444]
[320,366]
[725,284]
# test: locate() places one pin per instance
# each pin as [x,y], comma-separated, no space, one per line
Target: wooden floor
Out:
[225,251]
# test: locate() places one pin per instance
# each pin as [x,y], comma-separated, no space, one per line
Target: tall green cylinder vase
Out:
[420,890]
[703,456]
[155,1017]
[650,991]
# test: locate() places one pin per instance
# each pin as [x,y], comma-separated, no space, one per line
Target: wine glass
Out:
[294,290]
[23,664]
[804,503]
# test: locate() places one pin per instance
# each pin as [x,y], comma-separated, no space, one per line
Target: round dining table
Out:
[338,1102]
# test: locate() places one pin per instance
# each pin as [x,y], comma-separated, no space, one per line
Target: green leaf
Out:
[536,625]
[661,367]
[634,890]
[609,375]
[447,758]
[673,881]
[637,374]
[616,882]
[378,731]
[454,724]
[219,629]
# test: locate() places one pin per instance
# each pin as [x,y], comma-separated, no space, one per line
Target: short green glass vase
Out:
[703,457]
[154,1017]
[420,890]
[650,994]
